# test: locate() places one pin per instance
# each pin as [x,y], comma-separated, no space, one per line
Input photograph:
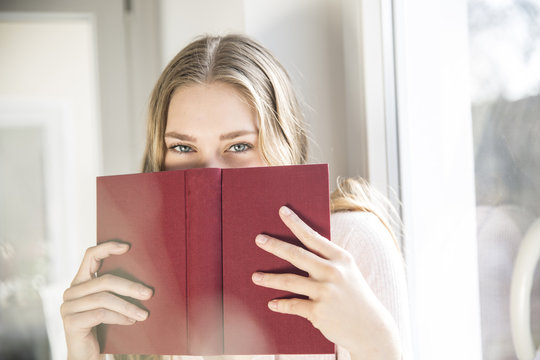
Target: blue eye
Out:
[182,148]
[239,147]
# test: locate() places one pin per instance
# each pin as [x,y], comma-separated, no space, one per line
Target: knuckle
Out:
[63,310]
[335,273]
[288,306]
[346,257]
[297,252]
[100,315]
[316,314]
[106,280]
[90,251]
[324,290]
[128,309]
[321,239]
[101,298]
[312,233]
[68,322]
[66,295]
[135,288]
[287,281]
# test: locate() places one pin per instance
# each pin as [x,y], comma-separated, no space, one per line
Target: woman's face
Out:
[211,126]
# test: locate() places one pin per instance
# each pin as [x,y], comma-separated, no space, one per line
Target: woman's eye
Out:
[182,148]
[239,147]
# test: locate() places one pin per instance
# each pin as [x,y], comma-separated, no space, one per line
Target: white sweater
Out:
[369,242]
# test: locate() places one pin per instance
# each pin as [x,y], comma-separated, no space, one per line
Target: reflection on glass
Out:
[23,250]
[505,83]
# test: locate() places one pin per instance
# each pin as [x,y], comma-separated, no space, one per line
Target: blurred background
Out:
[437,103]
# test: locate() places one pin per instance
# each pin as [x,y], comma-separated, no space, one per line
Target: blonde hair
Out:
[240,61]
[355,194]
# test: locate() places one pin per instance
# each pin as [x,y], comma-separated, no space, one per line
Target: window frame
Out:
[436,170]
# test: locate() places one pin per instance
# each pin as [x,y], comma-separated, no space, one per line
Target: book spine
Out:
[204,262]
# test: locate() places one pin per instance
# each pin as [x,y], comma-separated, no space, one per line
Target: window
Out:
[505,92]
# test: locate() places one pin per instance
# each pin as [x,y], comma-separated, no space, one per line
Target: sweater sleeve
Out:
[364,236]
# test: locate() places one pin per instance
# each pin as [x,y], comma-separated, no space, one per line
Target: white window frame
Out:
[370,90]
[410,62]
[55,119]
[437,177]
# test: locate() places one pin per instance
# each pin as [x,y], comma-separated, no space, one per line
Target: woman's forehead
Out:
[210,107]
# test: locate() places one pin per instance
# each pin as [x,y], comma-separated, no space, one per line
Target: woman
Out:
[227,102]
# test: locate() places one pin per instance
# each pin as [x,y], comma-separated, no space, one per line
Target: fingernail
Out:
[122,246]
[141,314]
[285,211]
[257,277]
[145,292]
[272,305]
[261,239]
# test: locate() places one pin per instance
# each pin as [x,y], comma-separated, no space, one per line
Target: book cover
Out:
[192,235]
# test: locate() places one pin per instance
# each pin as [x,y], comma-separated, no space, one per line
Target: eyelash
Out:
[173,147]
[247,147]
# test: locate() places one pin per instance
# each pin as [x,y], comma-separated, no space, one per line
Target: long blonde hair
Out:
[242,62]
[239,61]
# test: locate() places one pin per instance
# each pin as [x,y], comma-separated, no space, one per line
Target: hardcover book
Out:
[192,234]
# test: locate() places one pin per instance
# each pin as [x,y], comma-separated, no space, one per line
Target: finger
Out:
[93,256]
[293,306]
[309,237]
[110,283]
[287,282]
[296,255]
[85,321]
[104,300]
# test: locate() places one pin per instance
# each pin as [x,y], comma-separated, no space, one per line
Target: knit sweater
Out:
[364,236]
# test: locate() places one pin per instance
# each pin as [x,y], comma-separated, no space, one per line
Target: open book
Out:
[192,235]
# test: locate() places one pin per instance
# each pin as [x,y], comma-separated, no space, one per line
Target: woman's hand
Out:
[341,304]
[91,300]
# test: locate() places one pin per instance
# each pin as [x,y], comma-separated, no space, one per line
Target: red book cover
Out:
[192,235]
[247,213]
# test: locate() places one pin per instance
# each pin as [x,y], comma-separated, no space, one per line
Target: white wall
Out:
[183,20]
[306,36]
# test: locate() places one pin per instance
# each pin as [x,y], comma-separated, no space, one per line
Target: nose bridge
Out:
[212,163]
[211,160]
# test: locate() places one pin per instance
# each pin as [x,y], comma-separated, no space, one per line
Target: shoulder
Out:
[360,229]
[368,240]
[379,260]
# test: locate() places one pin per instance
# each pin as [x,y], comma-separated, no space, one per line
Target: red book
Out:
[192,235]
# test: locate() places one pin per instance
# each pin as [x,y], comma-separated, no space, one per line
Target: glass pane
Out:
[23,247]
[505,88]
[50,156]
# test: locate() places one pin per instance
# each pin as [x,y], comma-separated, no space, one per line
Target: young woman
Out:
[227,102]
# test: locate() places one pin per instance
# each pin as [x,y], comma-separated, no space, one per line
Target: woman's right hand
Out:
[91,300]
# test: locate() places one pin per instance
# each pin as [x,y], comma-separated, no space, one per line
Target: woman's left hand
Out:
[340,303]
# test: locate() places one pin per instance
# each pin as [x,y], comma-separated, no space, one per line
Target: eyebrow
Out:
[227,136]
[174,134]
